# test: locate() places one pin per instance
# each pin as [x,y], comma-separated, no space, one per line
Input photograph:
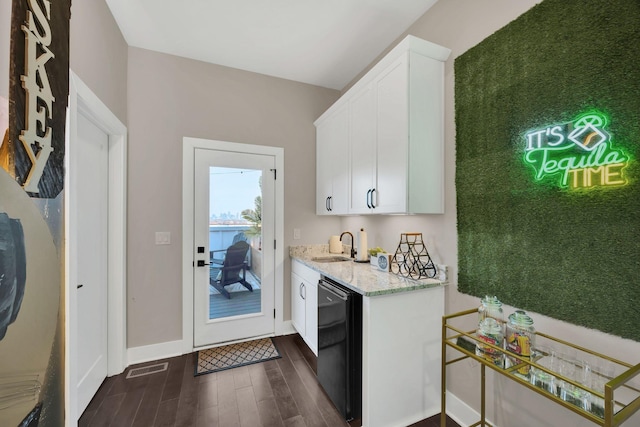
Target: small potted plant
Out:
[373,256]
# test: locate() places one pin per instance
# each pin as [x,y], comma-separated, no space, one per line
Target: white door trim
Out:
[188,157]
[82,99]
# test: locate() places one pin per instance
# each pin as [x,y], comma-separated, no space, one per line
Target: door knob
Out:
[201,263]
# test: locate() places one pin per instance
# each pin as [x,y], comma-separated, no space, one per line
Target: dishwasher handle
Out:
[329,287]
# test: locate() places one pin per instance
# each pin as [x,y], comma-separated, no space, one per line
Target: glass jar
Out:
[490,331]
[520,338]
[490,307]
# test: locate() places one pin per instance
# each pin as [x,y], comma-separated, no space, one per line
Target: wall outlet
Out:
[163,238]
[296,234]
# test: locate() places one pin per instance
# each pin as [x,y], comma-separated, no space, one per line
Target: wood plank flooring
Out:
[282,392]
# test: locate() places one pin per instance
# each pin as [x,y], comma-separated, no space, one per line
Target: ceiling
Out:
[321,42]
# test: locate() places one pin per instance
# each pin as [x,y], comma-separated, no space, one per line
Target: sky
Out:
[233,190]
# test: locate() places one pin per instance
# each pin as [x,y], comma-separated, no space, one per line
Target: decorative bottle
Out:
[490,331]
[520,338]
[490,307]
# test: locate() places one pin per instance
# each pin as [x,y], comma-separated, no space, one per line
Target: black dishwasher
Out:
[340,346]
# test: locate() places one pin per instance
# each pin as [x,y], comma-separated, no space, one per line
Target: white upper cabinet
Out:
[362,132]
[332,163]
[395,135]
[390,192]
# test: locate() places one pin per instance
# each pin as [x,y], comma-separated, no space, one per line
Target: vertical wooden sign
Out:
[33,153]
[32,166]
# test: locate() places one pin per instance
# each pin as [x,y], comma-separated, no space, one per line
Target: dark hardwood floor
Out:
[282,392]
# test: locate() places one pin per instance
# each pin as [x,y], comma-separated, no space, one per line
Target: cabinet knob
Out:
[373,205]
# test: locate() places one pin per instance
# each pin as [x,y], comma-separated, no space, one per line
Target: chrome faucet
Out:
[353,251]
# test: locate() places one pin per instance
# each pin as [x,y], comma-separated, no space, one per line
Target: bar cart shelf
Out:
[609,405]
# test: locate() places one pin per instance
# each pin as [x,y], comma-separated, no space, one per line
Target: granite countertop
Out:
[359,277]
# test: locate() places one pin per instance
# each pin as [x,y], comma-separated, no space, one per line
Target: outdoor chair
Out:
[217,256]
[232,269]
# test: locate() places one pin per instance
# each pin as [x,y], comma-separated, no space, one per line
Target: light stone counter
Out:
[360,277]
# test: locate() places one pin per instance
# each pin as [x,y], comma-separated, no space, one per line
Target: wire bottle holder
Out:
[412,259]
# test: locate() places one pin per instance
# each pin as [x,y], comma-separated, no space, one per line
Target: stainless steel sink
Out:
[330,259]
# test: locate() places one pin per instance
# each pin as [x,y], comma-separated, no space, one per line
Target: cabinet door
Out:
[332,167]
[339,159]
[426,143]
[312,316]
[298,304]
[392,136]
[362,134]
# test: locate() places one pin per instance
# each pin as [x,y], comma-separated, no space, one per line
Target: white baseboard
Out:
[163,350]
[147,353]
[460,412]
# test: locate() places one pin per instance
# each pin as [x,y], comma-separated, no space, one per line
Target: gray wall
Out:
[98,54]
[170,98]
[460,25]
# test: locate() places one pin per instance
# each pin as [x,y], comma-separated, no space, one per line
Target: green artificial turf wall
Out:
[569,253]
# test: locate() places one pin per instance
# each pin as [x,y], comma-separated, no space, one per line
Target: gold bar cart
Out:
[620,397]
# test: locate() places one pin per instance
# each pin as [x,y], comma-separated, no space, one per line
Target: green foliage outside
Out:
[254,217]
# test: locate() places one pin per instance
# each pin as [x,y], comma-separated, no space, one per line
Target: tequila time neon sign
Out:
[579,154]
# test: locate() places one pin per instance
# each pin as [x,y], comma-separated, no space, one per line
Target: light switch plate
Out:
[163,238]
[296,234]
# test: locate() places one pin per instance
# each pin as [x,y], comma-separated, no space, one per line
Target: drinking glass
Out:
[603,371]
[584,377]
[546,357]
[580,372]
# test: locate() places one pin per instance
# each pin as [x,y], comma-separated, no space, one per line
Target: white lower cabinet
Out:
[304,303]
[298,304]
[401,357]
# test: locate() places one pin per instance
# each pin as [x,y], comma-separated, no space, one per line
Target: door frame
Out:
[83,100]
[188,163]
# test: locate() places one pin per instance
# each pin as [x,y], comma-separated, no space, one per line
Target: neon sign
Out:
[579,154]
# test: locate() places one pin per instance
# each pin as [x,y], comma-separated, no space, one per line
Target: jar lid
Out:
[520,318]
[491,300]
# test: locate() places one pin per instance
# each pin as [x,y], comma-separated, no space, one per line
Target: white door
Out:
[92,291]
[233,287]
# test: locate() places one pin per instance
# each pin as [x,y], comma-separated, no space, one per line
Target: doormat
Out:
[235,355]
